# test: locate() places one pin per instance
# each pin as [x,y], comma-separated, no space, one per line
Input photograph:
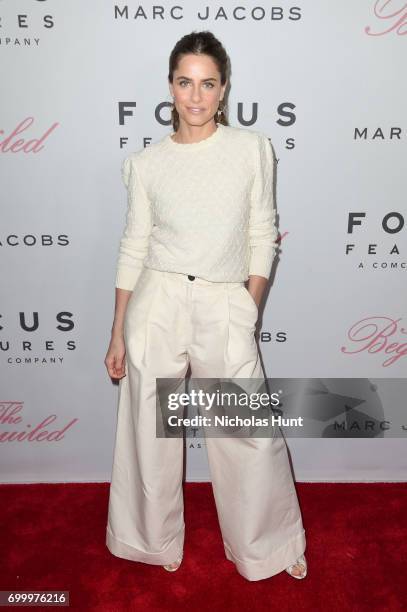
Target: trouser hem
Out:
[281,559]
[126,551]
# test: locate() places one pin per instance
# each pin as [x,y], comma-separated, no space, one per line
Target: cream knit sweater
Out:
[203,208]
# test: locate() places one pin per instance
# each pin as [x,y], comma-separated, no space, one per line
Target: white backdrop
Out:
[324,81]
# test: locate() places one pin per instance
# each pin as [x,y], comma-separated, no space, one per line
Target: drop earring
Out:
[220,111]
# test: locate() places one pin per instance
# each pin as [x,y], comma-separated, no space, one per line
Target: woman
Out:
[200,222]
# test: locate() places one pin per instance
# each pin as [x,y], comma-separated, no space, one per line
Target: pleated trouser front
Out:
[171,322]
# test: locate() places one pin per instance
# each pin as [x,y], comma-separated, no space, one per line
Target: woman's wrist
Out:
[117,331]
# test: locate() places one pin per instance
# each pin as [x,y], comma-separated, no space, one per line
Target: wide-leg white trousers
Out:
[171,322]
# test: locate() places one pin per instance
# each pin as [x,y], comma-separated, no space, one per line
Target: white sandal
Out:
[300,561]
[173,569]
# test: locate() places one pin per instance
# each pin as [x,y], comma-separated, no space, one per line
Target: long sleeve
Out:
[262,228]
[135,238]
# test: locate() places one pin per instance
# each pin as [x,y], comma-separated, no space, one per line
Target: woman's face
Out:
[196,89]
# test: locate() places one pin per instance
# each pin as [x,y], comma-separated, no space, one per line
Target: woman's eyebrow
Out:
[188,79]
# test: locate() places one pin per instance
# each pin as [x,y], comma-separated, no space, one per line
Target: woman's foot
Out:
[298,569]
[172,567]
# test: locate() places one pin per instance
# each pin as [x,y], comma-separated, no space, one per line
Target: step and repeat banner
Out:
[84,83]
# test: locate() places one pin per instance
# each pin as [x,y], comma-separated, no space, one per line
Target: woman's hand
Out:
[256,287]
[115,360]
[115,357]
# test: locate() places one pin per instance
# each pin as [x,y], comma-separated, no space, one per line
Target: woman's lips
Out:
[195,110]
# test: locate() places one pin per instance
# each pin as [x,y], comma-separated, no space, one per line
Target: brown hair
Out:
[204,43]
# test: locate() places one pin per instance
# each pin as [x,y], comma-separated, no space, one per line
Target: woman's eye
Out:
[210,85]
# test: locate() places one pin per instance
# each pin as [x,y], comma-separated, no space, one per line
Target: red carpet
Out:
[53,538]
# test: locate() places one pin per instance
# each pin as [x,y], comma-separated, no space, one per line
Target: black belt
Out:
[191,277]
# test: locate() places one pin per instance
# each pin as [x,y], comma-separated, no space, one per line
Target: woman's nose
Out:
[196,95]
